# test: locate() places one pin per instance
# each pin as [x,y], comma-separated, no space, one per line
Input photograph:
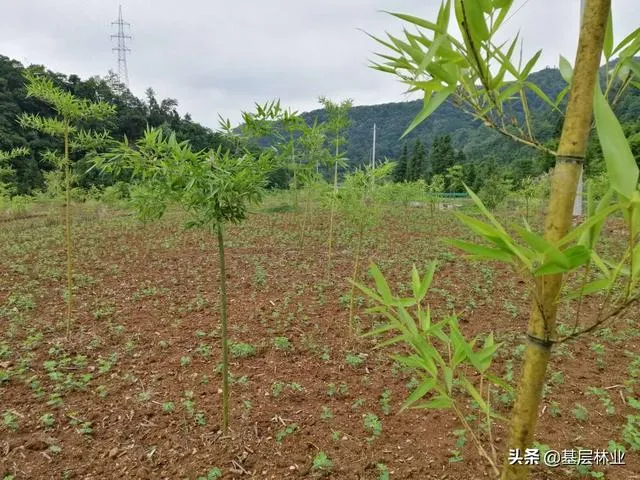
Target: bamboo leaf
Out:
[621,164]
[425,320]
[474,393]
[607,48]
[425,387]
[631,38]
[447,373]
[538,243]
[505,64]
[577,256]
[562,94]
[499,382]
[379,331]
[484,210]
[419,363]
[427,279]
[381,283]
[543,96]
[444,13]
[530,64]
[415,282]
[550,268]
[475,17]
[431,103]
[599,262]
[589,232]
[440,402]
[566,70]
[508,92]
[368,292]
[636,261]
[590,288]
[428,57]
[419,22]
[481,252]
[392,341]
[504,6]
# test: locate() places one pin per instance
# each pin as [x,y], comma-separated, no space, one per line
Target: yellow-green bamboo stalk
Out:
[572,148]
[333,203]
[356,271]
[223,329]
[67,174]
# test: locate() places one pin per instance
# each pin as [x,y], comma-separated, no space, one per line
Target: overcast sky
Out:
[221,56]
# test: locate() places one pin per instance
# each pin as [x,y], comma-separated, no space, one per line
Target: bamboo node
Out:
[570,159]
[543,343]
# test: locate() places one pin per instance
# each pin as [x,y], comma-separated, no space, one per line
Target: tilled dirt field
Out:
[135,391]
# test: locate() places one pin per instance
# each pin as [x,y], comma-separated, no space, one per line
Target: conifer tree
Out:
[416,168]
[400,172]
[442,155]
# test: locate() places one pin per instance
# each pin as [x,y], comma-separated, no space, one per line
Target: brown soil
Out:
[146,319]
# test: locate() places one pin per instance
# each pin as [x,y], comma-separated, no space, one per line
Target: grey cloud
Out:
[222,56]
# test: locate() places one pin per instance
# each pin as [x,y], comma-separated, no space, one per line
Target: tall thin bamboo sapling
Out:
[313,153]
[434,191]
[281,128]
[70,112]
[358,203]
[337,122]
[215,187]
[293,126]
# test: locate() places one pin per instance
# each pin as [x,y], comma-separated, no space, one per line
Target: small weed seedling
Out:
[282,343]
[341,390]
[322,465]
[605,399]
[373,425]
[580,413]
[356,360]
[242,350]
[212,474]
[326,414]
[286,431]
[461,440]
[385,401]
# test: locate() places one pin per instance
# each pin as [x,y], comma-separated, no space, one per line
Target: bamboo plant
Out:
[66,124]
[358,204]
[6,170]
[337,122]
[215,187]
[312,154]
[469,69]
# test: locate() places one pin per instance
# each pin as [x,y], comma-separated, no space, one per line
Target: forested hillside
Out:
[132,117]
[479,144]
[462,140]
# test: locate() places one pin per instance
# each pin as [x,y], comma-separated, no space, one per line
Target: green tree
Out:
[400,172]
[442,155]
[455,178]
[494,191]
[469,176]
[416,167]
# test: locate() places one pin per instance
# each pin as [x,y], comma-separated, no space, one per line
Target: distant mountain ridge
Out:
[477,141]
